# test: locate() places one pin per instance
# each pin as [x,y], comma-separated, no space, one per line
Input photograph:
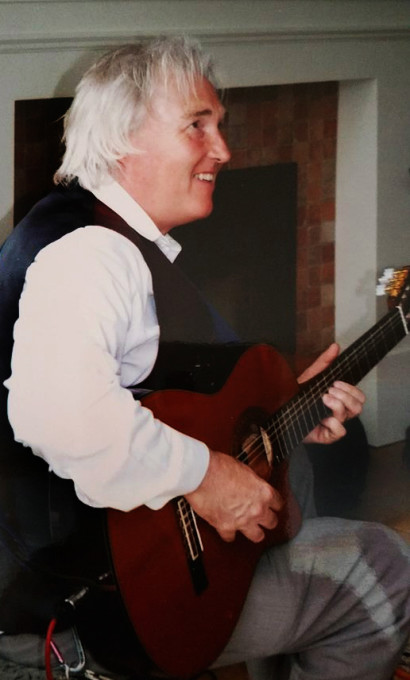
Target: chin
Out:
[205,212]
[197,215]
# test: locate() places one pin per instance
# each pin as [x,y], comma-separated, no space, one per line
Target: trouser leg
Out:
[302,482]
[335,601]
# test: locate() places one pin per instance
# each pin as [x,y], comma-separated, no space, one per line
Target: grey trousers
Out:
[333,604]
[335,601]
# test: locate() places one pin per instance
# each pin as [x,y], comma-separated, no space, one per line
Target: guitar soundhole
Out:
[251,443]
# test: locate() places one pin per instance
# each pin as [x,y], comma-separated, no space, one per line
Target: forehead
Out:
[199,99]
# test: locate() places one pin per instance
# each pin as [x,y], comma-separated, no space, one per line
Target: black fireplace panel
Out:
[243,257]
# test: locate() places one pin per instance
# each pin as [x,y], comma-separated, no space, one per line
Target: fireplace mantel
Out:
[45,46]
[80,24]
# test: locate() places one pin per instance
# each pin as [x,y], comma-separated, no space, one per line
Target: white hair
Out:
[113,97]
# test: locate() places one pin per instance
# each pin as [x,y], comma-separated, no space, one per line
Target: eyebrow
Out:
[204,112]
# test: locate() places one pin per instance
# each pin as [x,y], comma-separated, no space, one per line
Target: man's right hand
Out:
[232,497]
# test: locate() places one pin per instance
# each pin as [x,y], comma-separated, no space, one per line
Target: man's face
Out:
[182,150]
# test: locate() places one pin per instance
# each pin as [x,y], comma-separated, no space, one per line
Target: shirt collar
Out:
[115,197]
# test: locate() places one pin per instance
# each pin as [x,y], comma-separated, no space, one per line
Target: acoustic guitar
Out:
[183,587]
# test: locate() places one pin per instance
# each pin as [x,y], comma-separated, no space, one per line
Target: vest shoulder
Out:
[59,213]
[69,208]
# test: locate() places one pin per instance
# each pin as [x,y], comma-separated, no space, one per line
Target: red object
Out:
[184,598]
[47,649]
[181,630]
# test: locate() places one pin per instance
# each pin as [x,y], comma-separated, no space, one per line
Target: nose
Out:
[219,150]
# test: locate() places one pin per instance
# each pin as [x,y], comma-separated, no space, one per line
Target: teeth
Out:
[205,176]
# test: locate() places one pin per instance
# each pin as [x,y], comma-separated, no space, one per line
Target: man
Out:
[102,310]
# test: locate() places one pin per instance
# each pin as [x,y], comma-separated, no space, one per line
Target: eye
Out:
[196,129]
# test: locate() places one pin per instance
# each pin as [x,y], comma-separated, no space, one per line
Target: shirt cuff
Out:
[194,467]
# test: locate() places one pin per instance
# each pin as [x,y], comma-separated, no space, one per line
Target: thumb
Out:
[323,361]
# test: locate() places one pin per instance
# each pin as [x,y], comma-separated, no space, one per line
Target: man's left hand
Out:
[344,400]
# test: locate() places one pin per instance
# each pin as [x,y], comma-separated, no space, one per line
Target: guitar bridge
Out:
[193,545]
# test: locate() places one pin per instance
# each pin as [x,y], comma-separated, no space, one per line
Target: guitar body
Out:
[182,619]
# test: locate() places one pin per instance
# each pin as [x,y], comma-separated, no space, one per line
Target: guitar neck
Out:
[290,425]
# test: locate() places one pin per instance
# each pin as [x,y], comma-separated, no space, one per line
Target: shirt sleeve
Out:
[87,329]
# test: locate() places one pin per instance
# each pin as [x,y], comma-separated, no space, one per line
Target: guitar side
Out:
[182,624]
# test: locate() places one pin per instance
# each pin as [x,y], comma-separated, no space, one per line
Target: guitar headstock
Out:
[395,283]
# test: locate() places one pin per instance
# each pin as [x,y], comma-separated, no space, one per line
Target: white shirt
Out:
[87,330]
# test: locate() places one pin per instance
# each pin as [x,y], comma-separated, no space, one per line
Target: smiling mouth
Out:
[205,176]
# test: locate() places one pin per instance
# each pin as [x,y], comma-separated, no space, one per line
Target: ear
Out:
[120,169]
[122,163]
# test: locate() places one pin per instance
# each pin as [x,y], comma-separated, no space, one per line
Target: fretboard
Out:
[290,425]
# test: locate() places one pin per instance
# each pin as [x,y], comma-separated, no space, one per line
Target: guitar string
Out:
[302,400]
[189,528]
[351,359]
[305,401]
[356,355]
[308,400]
[300,406]
[353,356]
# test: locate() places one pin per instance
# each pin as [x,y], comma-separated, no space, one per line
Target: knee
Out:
[368,557]
[383,548]
[388,559]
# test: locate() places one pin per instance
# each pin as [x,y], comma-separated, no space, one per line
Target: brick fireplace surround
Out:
[297,123]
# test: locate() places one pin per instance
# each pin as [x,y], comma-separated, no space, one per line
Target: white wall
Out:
[44,46]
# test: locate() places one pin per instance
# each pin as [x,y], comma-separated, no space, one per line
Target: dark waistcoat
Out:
[42,553]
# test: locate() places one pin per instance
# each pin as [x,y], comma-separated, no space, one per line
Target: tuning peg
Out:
[385,278]
[387,275]
[380,289]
